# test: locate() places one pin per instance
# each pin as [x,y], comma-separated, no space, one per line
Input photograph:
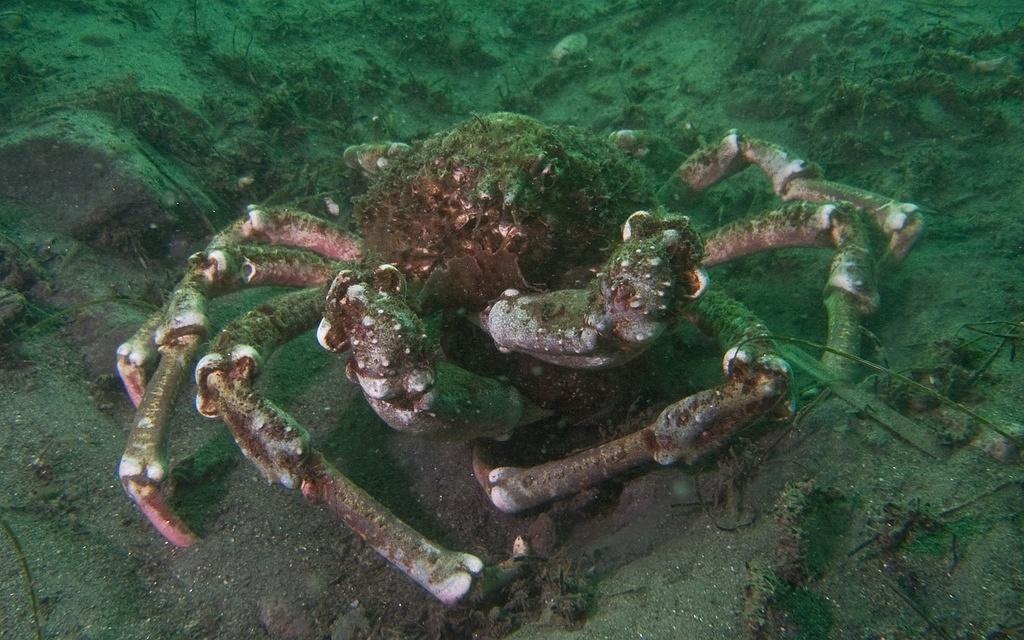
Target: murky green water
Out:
[888,506]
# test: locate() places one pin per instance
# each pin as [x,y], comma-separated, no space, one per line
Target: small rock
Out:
[542,535]
[12,305]
[569,47]
[1000,447]
[284,619]
[351,625]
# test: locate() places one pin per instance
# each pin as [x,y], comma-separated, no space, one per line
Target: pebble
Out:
[284,619]
[570,46]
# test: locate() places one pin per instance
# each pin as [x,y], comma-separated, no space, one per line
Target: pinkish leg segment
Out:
[291,228]
[795,179]
[178,330]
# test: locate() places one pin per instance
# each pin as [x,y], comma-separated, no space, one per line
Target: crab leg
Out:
[281,227]
[757,384]
[134,354]
[291,228]
[850,291]
[794,179]
[217,272]
[177,332]
[144,463]
[400,369]
[280,448]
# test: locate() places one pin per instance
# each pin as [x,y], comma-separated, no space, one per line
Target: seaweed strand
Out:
[26,575]
[877,368]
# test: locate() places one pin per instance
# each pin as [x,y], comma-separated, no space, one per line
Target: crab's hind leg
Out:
[757,384]
[850,290]
[280,448]
[176,332]
[795,179]
[143,464]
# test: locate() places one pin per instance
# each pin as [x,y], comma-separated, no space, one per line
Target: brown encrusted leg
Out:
[279,446]
[850,291]
[144,463]
[447,575]
[400,369]
[794,179]
[176,333]
[757,384]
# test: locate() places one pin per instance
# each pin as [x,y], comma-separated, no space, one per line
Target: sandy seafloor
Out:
[130,129]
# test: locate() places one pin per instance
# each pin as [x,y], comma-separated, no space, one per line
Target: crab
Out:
[547,243]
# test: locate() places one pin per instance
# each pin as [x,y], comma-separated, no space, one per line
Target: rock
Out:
[284,619]
[351,625]
[1002,447]
[542,535]
[86,178]
[569,48]
[12,305]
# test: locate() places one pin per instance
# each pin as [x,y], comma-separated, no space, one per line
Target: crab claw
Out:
[132,357]
[142,480]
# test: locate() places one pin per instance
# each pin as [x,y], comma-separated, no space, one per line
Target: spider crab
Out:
[486,219]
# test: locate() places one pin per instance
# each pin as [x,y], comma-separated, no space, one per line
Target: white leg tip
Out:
[456,584]
[130,466]
[207,362]
[245,351]
[504,501]
[453,588]
[734,355]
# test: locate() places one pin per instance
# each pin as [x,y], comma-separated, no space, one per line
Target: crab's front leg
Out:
[655,271]
[756,385]
[400,369]
[280,448]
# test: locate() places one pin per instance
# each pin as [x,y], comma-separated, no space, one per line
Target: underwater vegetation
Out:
[497,156]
